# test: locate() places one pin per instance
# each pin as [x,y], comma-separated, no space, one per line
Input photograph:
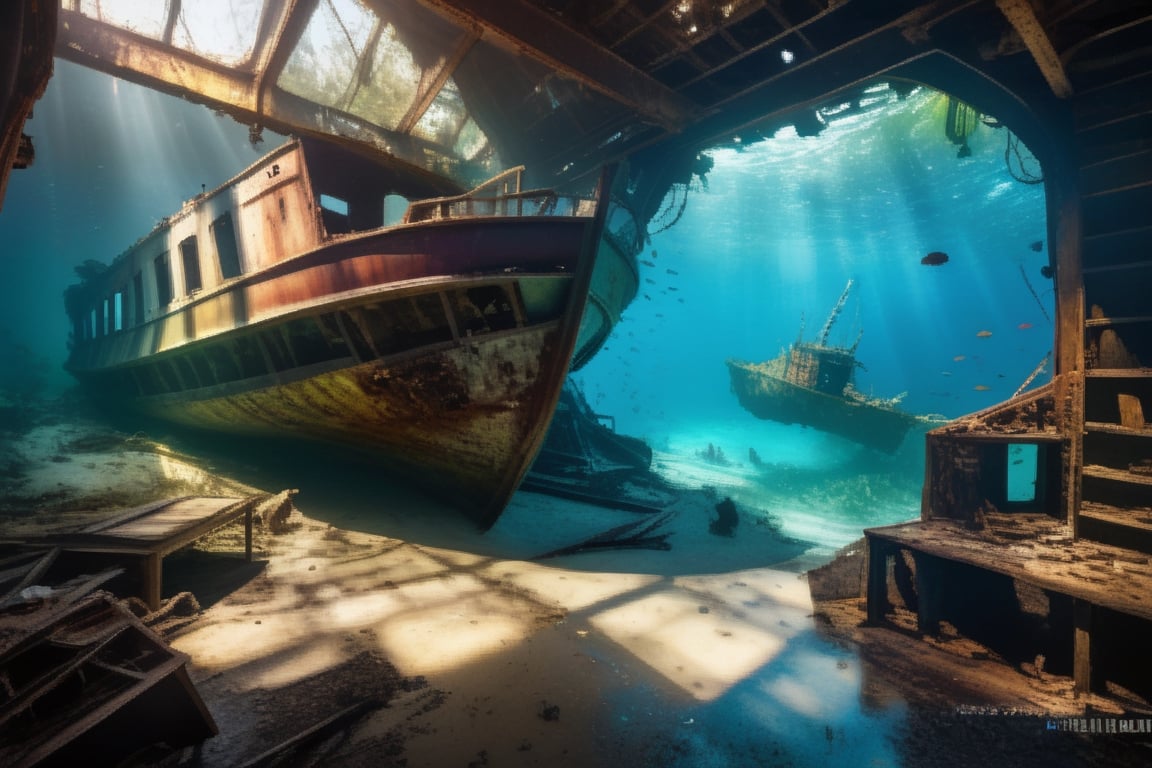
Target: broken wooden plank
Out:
[322,730]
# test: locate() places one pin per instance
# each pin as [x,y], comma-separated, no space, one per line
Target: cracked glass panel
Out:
[145,19]
[221,30]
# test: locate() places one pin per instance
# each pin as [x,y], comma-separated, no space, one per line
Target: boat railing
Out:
[499,196]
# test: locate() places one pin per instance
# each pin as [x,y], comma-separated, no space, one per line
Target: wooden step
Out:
[1122,289]
[1118,429]
[1112,174]
[1122,246]
[1112,100]
[1130,528]
[1117,210]
[1116,487]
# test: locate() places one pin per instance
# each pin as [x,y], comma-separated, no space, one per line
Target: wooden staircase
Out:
[1112,107]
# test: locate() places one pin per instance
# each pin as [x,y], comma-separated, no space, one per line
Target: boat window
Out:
[403,324]
[250,357]
[163,280]
[331,330]
[482,308]
[278,351]
[90,326]
[168,376]
[310,343]
[224,236]
[544,299]
[355,337]
[200,365]
[395,206]
[334,214]
[137,298]
[118,310]
[106,324]
[188,377]
[190,257]
[149,380]
[223,366]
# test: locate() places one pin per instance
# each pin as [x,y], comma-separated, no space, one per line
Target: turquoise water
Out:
[766,248]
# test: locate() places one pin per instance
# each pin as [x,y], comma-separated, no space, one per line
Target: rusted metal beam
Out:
[27,30]
[1022,17]
[540,36]
[247,94]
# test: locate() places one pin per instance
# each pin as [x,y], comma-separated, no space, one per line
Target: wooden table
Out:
[155,530]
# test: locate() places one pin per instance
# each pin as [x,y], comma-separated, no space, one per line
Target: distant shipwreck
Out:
[813,384]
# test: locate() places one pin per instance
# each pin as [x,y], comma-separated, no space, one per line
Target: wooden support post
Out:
[878,554]
[1081,646]
[928,593]
[248,534]
[152,578]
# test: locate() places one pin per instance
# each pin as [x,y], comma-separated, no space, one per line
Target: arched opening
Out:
[933,210]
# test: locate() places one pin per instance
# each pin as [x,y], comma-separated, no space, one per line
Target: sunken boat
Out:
[282,304]
[813,383]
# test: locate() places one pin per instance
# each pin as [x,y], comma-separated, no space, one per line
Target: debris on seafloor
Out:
[338,722]
[639,534]
[727,520]
[86,677]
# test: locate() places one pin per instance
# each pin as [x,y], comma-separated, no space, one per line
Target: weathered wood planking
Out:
[1110,577]
[155,530]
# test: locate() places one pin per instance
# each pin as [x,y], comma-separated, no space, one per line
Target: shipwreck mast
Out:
[823,338]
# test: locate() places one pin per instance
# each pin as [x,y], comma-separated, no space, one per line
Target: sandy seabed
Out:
[473,650]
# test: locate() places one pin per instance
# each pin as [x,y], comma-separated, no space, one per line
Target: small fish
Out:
[671,271]
[653,254]
[648,297]
[983,334]
[673,288]
[647,263]
[1024,326]
[958,358]
[1037,245]
[935,259]
[1046,271]
[650,280]
[945,373]
[981,388]
[681,299]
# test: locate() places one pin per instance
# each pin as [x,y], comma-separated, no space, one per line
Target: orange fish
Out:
[981,388]
[983,334]
[1024,326]
[958,358]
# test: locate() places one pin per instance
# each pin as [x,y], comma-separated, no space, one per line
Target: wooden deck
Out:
[153,531]
[1033,549]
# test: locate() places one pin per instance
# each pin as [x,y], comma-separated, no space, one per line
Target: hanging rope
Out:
[1032,291]
[1036,372]
[1021,173]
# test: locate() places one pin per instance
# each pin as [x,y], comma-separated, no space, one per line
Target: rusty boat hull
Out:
[438,345]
